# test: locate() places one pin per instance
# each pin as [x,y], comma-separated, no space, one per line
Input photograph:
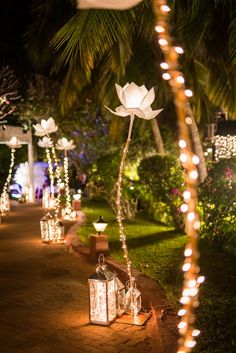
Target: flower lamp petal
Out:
[152,114]
[119,112]
[148,99]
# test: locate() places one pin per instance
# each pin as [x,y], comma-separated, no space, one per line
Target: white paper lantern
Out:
[47,228]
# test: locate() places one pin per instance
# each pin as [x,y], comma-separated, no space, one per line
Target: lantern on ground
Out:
[133,299]
[120,297]
[4,203]
[102,295]
[100,225]
[47,228]
[60,229]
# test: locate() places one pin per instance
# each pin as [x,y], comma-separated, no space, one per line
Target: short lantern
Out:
[120,297]
[100,225]
[102,295]
[60,228]
[133,300]
[47,228]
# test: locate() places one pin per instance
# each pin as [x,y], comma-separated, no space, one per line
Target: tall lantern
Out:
[4,203]
[47,228]
[102,295]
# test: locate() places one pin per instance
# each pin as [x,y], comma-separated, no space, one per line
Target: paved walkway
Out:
[44,296]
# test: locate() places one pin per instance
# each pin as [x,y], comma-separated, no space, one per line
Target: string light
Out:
[67,189]
[188,93]
[159,29]
[50,169]
[166,76]
[163,42]
[164,66]
[179,50]
[119,217]
[225,147]
[181,94]
[5,206]
[58,177]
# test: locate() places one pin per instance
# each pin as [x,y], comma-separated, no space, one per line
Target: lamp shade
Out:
[100,225]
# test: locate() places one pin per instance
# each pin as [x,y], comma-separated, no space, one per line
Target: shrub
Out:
[102,184]
[217,204]
[161,178]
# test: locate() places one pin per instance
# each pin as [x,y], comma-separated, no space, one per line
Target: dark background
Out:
[14,20]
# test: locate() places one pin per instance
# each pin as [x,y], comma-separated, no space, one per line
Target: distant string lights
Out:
[225,147]
[174,76]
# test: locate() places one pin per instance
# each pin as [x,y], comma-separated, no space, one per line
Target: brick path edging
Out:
[163,322]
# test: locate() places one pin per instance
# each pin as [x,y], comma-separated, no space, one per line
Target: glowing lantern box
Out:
[102,295]
[4,203]
[60,230]
[133,300]
[47,228]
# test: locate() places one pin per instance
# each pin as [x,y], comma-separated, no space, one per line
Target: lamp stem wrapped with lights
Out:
[51,176]
[189,161]
[65,145]
[13,143]
[58,176]
[135,101]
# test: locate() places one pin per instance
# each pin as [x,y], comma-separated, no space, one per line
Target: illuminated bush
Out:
[161,179]
[217,204]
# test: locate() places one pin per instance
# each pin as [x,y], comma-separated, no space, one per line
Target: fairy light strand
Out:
[8,180]
[58,176]
[50,169]
[174,76]
[119,214]
[67,188]
[4,199]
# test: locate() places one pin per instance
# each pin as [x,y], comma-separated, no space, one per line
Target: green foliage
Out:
[102,184]
[157,251]
[217,204]
[161,179]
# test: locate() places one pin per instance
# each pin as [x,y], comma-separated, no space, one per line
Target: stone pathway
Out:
[44,296]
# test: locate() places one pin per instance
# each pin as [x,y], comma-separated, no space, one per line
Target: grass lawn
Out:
[157,250]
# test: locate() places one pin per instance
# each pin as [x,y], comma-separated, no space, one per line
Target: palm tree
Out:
[96,48]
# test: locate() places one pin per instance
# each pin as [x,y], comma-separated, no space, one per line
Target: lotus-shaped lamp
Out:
[14,142]
[135,101]
[45,142]
[46,127]
[64,144]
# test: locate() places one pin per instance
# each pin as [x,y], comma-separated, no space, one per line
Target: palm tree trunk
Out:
[197,145]
[157,136]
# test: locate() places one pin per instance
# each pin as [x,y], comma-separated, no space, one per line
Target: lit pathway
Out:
[44,296]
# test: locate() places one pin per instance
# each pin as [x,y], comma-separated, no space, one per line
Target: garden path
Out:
[44,296]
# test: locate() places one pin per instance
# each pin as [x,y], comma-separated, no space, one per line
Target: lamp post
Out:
[100,225]
[99,242]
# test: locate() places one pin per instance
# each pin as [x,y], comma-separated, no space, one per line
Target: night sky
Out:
[14,19]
